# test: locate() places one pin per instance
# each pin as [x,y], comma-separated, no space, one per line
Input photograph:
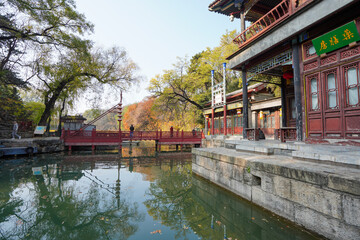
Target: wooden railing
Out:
[85,137]
[252,134]
[287,134]
[276,15]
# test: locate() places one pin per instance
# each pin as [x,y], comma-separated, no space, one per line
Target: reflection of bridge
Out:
[100,138]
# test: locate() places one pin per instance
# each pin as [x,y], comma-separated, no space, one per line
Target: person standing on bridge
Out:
[132,131]
[14,131]
[171,131]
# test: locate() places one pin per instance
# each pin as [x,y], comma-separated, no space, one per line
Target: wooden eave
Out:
[254,9]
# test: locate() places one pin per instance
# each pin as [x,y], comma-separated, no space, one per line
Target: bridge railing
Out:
[141,135]
[125,135]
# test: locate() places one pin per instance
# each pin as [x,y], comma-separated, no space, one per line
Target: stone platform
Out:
[321,193]
[44,145]
[326,153]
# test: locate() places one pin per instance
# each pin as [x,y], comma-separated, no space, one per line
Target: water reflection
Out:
[190,204]
[136,195]
[56,205]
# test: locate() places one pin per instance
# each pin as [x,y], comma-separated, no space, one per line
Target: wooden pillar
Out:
[206,125]
[212,121]
[283,102]
[297,89]
[242,19]
[225,121]
[224,86]
[245,102]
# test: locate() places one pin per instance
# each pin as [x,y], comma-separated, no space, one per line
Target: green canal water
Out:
[139,195]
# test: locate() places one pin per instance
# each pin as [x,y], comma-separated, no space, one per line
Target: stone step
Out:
[329,156]
[349,155]
[255,149]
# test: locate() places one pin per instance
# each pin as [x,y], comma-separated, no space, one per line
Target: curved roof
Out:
[254,9]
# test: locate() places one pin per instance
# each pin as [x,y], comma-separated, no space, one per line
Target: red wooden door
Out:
[314,106]
[331,104]
[351,99]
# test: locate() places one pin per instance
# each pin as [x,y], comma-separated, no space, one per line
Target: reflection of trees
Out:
[10,179]
[171,203]
[189,204]
[170,197]
[61,209]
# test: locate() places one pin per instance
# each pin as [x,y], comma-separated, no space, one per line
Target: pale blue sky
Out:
[155,32]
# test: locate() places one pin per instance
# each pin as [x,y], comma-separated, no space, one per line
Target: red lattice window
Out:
[331,87]
[309,51]
[313,86]
[352,85]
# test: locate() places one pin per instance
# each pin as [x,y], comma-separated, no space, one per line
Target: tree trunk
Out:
[50,103]
[60,114]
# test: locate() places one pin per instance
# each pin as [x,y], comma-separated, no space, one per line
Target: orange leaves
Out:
[141,115]
[156,231]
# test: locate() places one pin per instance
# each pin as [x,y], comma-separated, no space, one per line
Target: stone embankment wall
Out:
[322,198]
[44,145]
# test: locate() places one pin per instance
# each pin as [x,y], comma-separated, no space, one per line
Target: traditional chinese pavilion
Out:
[265,113]
[314,47]
[75,123]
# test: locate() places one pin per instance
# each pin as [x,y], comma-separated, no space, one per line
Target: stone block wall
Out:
[324,201]
[43,145]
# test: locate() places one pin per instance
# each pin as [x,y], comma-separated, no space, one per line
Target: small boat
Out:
[9,151]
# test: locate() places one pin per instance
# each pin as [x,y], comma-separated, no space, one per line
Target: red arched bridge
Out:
[94,138]
[100,138]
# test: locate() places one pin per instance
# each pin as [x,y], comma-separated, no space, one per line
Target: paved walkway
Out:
[326,153]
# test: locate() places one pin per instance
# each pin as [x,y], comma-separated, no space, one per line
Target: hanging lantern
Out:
[280,112]
[288,75]
[238,111]
[261,115]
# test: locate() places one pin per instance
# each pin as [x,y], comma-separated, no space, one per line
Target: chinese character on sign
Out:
[337,38]
[323,45]
[348,34]
[333,41]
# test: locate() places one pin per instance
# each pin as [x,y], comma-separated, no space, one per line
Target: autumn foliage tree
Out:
[142,116]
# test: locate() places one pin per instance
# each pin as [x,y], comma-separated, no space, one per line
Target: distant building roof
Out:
[77,118]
